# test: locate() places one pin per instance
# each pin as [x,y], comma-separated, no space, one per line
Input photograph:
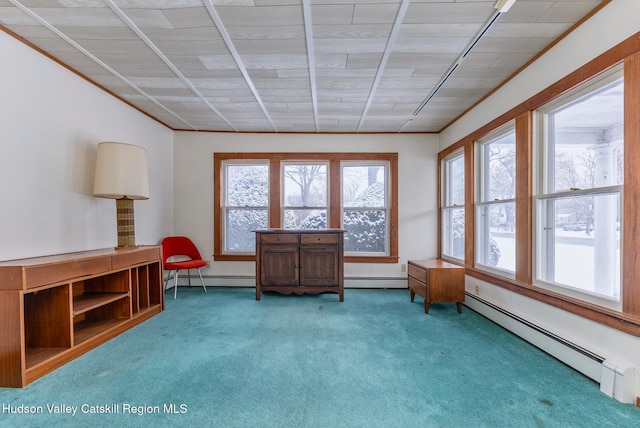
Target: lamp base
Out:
[126,226]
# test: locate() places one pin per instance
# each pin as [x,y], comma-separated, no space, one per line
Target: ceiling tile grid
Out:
[309,66]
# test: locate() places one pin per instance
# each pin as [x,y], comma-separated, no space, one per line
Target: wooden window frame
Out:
[446,205]
[335,200]
[387,200]
[482,199]
[628,319]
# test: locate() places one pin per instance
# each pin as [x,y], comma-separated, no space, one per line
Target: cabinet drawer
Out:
[279,238]
[139,256]
[418,287]
[418,273]
[36,276]
[319,238]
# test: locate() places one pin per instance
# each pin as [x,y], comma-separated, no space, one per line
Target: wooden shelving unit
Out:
[55,308]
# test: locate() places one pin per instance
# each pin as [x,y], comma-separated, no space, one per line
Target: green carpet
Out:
[222,359]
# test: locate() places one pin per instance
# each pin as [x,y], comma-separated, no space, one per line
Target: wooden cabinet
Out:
[55,308]
[436,281]
[300,261]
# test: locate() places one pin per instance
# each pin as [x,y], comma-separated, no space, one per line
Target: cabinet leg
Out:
[426,306]
[412,294]
[342,296]
[257,294]
[459,305]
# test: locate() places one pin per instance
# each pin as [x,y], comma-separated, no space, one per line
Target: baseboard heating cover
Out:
[616,379]
[540,330]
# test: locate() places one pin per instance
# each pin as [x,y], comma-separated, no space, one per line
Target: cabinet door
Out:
[279,265]
[319,266]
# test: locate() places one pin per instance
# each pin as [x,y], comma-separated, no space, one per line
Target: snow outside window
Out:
[579,206]
[453,207]
[245,205]
[305,200]
[365,207]
[496,209]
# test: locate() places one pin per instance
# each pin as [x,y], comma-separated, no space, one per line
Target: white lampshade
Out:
[121,172]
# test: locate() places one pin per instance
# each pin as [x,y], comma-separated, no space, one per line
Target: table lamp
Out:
[122,174]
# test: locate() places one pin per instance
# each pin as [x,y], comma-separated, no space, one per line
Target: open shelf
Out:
[89,301]
[58,307]
[90,328]
[35,356]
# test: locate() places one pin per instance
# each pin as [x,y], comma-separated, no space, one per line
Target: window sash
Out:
[566,245]
[305,217]
[315,213]
[240,240]
[451,165]
[504,136]
[495,237]
[453,208]
[358,237]
[289,185]
[549,183]
[571,199]
[244,242]
[453,233]
[495,230]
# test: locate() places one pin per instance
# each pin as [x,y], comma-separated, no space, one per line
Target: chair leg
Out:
[189,277]
[203,286]
[175,285]
[166,280]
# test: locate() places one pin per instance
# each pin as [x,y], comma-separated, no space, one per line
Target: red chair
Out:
[180,247]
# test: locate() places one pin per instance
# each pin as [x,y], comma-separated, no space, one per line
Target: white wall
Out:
[613,24]
[51,122]
[417,182]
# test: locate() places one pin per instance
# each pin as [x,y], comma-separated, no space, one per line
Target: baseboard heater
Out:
[540,330]
[617,380]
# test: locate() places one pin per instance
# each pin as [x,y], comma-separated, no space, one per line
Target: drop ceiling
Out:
[308,66]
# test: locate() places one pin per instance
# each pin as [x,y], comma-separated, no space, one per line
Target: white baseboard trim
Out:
[250,281]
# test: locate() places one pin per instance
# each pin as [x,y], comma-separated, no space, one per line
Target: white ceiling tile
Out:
[350,50]
[332,14]
[261,15]
[375,13]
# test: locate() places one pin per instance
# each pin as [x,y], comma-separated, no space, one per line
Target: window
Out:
[578,207]
[365,207]
[576,193]
[357,192]
[496,208]
[305,195]
[246,204]
[453,207]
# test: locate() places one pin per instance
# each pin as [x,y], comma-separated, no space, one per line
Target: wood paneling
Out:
[631,204]
[11,337]
[524,194]
[469,205]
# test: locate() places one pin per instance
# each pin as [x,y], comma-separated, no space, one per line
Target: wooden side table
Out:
[436,281]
